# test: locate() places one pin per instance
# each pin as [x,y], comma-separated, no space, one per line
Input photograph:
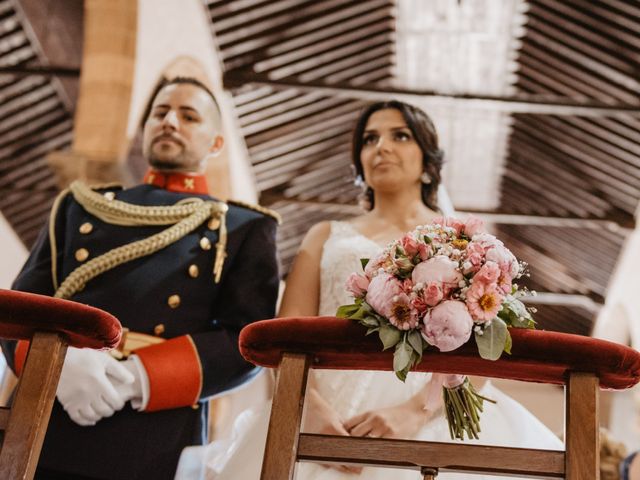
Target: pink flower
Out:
[357,285]
[503,257]
[447,326]
[407,286]
[403,314]
[424,251]
[382,289]
[452,222]
[433,293]
[504,282]
[474,257]
[440,269]
[483,301]
[410,245]
[473,226]
[419,304]
[382,260]
[488,274]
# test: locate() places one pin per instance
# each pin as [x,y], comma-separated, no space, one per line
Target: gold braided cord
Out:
[186,218]
[122,213]
[53,244]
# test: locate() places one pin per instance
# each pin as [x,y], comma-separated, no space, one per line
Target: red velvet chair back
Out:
[294,345]
[50,325]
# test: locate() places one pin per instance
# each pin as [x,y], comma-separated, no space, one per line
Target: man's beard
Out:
[175,163]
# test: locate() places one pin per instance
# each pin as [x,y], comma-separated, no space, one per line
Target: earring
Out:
[359,181]
[425,178]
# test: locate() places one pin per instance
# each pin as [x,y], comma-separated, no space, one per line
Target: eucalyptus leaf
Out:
[347,311]
[492,342]
[370,321]
[508,343]
[389,336]
[415,340]
[402,357]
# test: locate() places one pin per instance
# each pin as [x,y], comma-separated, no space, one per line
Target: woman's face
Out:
[391,158]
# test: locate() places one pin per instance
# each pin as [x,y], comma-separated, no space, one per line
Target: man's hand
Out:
[137,391]
[86,388]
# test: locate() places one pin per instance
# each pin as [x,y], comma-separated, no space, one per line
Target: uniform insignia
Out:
[257,208]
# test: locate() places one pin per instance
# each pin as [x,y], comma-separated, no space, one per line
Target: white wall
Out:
[12,253]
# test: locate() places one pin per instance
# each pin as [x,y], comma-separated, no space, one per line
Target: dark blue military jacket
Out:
[141,445]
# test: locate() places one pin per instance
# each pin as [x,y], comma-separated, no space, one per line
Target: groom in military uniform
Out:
[182,271]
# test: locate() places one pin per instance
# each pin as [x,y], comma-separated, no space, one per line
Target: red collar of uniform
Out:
[177,181]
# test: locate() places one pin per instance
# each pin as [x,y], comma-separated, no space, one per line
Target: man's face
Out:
[182,129]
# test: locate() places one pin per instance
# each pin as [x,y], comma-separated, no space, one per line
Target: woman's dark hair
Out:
[425,136]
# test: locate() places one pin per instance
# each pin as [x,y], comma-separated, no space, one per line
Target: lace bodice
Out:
[353,392]
[340,257]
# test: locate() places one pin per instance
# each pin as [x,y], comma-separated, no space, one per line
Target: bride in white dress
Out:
[396,156]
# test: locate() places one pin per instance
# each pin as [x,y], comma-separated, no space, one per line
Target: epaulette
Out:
[106,186]
[257,208]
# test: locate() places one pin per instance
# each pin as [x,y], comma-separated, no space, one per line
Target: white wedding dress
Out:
[352,392]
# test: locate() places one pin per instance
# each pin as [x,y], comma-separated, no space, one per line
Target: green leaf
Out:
[493,340]
[515,313]
[415,340]
[389,335]
[508,343]
[363,262]
[347,311]
[402,357]
[370,321]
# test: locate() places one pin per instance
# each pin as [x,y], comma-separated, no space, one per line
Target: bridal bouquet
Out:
[434,287]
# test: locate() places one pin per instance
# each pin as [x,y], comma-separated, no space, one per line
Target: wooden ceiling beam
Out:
[530,104]
[526,152]
[583,24]
[583,79]
[606,168]
[342,115]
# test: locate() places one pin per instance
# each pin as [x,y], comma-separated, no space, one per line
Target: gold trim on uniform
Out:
[205,243]
[189,183]
[194,271]
[109,195]
[82,254]
[213,224]
[258,208]
[158,329]
[151,178]
[173,301]
[86,228]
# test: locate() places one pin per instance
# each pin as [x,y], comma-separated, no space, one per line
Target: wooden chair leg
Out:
[286,415]
[32,406]
[582,427]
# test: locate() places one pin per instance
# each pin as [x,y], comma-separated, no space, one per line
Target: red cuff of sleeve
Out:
[20,355]
[175,373]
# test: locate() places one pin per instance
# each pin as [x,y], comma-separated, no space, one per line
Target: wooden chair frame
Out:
[582,364]
[50,325]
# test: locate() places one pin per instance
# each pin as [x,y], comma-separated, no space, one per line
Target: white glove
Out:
[86,389]
[138,390]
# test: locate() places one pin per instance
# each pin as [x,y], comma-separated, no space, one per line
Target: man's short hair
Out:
[165,82]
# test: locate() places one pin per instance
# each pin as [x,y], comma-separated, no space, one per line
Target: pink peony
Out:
[357,285]
[433,293]
[473,226]
[382,289]
[447,326]
[484,301]
[440,269]
[503,257]
[488,274]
